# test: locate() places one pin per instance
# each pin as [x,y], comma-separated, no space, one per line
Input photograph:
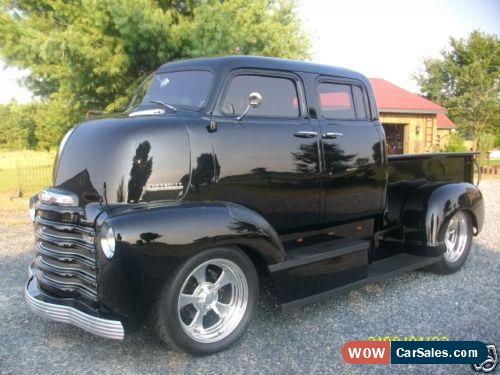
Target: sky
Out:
[10,87]
[390,39]
[382,39]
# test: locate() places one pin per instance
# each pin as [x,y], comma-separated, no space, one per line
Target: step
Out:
[318,252]
[377,271]
[397,264]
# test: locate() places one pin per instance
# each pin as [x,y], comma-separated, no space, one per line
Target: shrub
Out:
[455,143]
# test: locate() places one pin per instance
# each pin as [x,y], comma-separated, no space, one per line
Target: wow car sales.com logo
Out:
[483,357]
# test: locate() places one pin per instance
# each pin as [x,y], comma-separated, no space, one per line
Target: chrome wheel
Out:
[456,237]
[213,300]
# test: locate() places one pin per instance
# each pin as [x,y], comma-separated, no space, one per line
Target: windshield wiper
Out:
[171,107]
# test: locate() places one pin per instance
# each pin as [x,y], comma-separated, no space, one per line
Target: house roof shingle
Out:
[443,122]
[392,98]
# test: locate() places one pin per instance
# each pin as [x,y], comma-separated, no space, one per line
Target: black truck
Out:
[225,170]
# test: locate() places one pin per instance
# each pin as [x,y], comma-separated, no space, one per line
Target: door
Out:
[353,178]
[395,135]
[268,161]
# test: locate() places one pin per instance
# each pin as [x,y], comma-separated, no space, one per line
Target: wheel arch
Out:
[475,222]
[256,257]
[153,241]
[430,206]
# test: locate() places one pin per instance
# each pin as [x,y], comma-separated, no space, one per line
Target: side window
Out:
[335,101]
[279,96]
[360,103]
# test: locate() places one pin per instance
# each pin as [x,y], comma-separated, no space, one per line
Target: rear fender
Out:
[429,207]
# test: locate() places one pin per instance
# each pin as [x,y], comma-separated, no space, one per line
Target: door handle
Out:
[331,135]
[305,134]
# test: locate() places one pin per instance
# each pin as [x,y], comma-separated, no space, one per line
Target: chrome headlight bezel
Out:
[58,197]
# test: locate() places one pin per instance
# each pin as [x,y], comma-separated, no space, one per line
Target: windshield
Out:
[188,88]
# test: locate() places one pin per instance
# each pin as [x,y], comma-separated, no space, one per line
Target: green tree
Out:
[257,27]
[18,125]
[485,144]
[466,80]
[89,55]
[455,143]
[497,140]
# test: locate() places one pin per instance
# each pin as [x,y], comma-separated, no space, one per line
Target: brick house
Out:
[412,124]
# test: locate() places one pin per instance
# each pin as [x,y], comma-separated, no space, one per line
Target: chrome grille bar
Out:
[66,264]
[66,269]
[64,240]
[66,285]
[66,254]
[65,226]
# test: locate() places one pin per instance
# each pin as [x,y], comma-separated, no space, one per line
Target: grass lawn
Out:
[490,163]
[28,171]
[25,169]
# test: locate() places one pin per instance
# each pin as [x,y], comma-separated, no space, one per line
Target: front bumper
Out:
[58,309]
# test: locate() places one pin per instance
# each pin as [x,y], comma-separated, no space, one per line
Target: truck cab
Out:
[225,169]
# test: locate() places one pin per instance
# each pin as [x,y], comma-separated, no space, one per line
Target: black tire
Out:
[447,266]
[166,319]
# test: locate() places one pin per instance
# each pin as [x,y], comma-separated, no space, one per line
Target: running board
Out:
[377,271]
[314,269]
[319,252]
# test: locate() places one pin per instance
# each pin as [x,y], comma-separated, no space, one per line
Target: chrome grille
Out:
[65,264]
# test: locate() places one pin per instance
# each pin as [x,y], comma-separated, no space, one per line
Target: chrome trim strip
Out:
[112,329]
[147,112]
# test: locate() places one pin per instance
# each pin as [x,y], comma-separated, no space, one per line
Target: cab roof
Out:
[221,66]
[239,61]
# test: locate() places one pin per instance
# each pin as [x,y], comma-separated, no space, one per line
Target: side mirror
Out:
[254,101]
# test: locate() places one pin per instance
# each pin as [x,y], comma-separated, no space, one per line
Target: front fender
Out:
[152,241]
[431,205]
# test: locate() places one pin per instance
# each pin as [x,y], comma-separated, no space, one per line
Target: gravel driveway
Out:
[465,305]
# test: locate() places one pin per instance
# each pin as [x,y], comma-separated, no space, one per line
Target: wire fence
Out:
[33,175]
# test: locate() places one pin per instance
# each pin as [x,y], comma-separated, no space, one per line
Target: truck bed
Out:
[446,167]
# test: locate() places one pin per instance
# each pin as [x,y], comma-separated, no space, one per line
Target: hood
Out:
[126,160]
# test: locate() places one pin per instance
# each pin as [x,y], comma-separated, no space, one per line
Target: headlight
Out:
[108,242]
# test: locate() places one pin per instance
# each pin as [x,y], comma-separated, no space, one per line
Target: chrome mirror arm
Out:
[244,113]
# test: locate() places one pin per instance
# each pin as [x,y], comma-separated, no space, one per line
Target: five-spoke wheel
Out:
[209,302]
[213,300]
[457,236]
